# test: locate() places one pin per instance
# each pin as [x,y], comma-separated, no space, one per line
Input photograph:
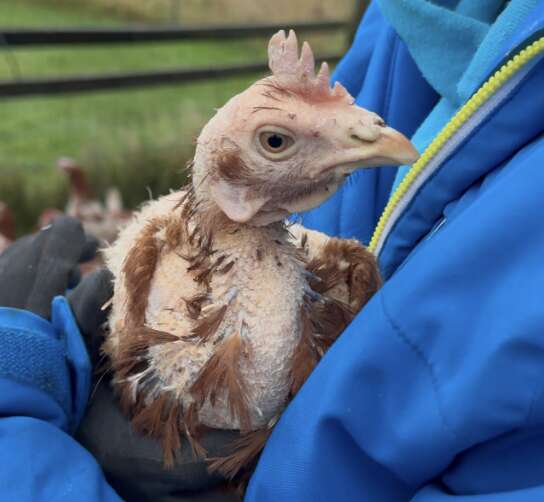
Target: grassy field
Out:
[138,140]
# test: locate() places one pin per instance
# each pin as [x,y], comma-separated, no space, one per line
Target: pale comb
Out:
[298,73]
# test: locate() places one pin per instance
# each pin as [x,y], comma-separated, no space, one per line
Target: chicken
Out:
[221,308]
[7,226]
[103,221]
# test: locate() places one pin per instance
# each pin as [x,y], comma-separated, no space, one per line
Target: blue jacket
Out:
[435,390]
[44,387]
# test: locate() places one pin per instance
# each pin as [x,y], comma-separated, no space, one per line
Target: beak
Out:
[364,141]
[390,149]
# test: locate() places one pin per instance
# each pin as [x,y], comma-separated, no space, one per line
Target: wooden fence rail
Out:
[84,83]
[21,87]
[144,34]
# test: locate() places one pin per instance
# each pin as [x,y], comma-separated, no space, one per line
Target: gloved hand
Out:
[87,301]
[34,270]
[38,267]
[133,463]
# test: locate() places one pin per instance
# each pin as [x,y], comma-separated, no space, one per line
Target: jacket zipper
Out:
[488,96]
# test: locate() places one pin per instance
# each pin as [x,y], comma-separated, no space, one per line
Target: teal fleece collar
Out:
[454,43]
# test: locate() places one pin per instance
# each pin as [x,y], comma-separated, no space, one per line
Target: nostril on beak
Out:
[355,137]
[365,135]
[366,131]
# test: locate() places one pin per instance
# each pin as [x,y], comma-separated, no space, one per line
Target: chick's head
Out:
[288,142]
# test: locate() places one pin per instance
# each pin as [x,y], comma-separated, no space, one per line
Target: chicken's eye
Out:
[275,142]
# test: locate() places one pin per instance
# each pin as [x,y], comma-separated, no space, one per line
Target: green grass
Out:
[138,140]
[28,13]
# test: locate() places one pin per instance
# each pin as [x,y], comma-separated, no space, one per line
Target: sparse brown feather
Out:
[194,305]
[276,87]
[171,436]
[326,274]
[193,431]
[149,420]
[219,261]
[197,262]
[245,452]
[161,419]
[323,317]
[132,359]
[304,241]
[361,276]
[365,280]
[207,326]
[139,268]
[329,318]
[175,232]
[189,192]
[221,376]
[225,269]
[203,277]
[132,351]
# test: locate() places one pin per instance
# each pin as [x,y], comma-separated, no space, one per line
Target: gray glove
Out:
[133,463]
[36,268]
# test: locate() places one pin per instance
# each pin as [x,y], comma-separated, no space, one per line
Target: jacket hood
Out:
[453,42]
[433,30]
[500,125]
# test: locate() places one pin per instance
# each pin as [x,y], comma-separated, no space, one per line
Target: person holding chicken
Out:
[434,390]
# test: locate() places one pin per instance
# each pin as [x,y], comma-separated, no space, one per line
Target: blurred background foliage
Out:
[137,140]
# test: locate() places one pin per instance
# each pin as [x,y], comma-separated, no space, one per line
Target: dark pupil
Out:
[275,141]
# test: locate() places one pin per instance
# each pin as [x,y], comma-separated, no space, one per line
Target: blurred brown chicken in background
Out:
[7,226]
[100,219]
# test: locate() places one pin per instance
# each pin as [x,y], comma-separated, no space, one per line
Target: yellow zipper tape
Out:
[495,82]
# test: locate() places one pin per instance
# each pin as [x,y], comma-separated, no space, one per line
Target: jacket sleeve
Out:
[44,387]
